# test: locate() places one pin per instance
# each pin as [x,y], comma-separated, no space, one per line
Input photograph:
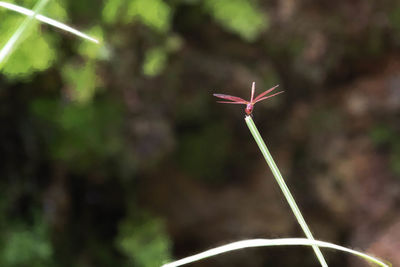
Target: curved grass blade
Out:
[272,242]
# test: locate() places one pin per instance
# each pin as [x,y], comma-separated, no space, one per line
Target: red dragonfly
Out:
[249,104]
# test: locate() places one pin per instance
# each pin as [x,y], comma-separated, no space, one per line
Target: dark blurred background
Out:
[118,154]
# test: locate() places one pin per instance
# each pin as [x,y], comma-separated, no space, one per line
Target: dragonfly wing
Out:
[253,89]
[231,98]
[227,102]
[264,93]
[263,98]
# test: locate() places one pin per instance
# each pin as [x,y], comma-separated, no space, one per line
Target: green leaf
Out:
[81,81]
[80,134]
[94,51]
[26,247]
[154,62]
[145,244]
[24,62]
[112,10]
[238,16]
[155,14]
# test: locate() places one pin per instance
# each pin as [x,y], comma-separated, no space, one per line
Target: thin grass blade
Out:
[47,20]
[15,39]
[285,190]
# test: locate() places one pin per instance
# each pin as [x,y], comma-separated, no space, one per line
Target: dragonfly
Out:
[249,104]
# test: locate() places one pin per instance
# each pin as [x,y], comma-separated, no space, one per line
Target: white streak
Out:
[47,20]
[12,42]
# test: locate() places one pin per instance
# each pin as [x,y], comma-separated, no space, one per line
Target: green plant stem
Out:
[14,40]
[284,188]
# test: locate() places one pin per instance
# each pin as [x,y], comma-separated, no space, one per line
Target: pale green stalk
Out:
[271,242]
[12,42]
[284,188]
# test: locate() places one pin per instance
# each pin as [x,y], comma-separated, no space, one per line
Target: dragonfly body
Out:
[249,108]
[249,104]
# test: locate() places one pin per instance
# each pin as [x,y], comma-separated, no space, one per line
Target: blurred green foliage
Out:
[81,79]
[88,50]
[155,14]
[24,62]
[154,61]
[238,16]
[209,148]
[144,241]
[26,246]
[74,123]
[81,134]
[241,17]
[384,135]
[42,59]
[395,17]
